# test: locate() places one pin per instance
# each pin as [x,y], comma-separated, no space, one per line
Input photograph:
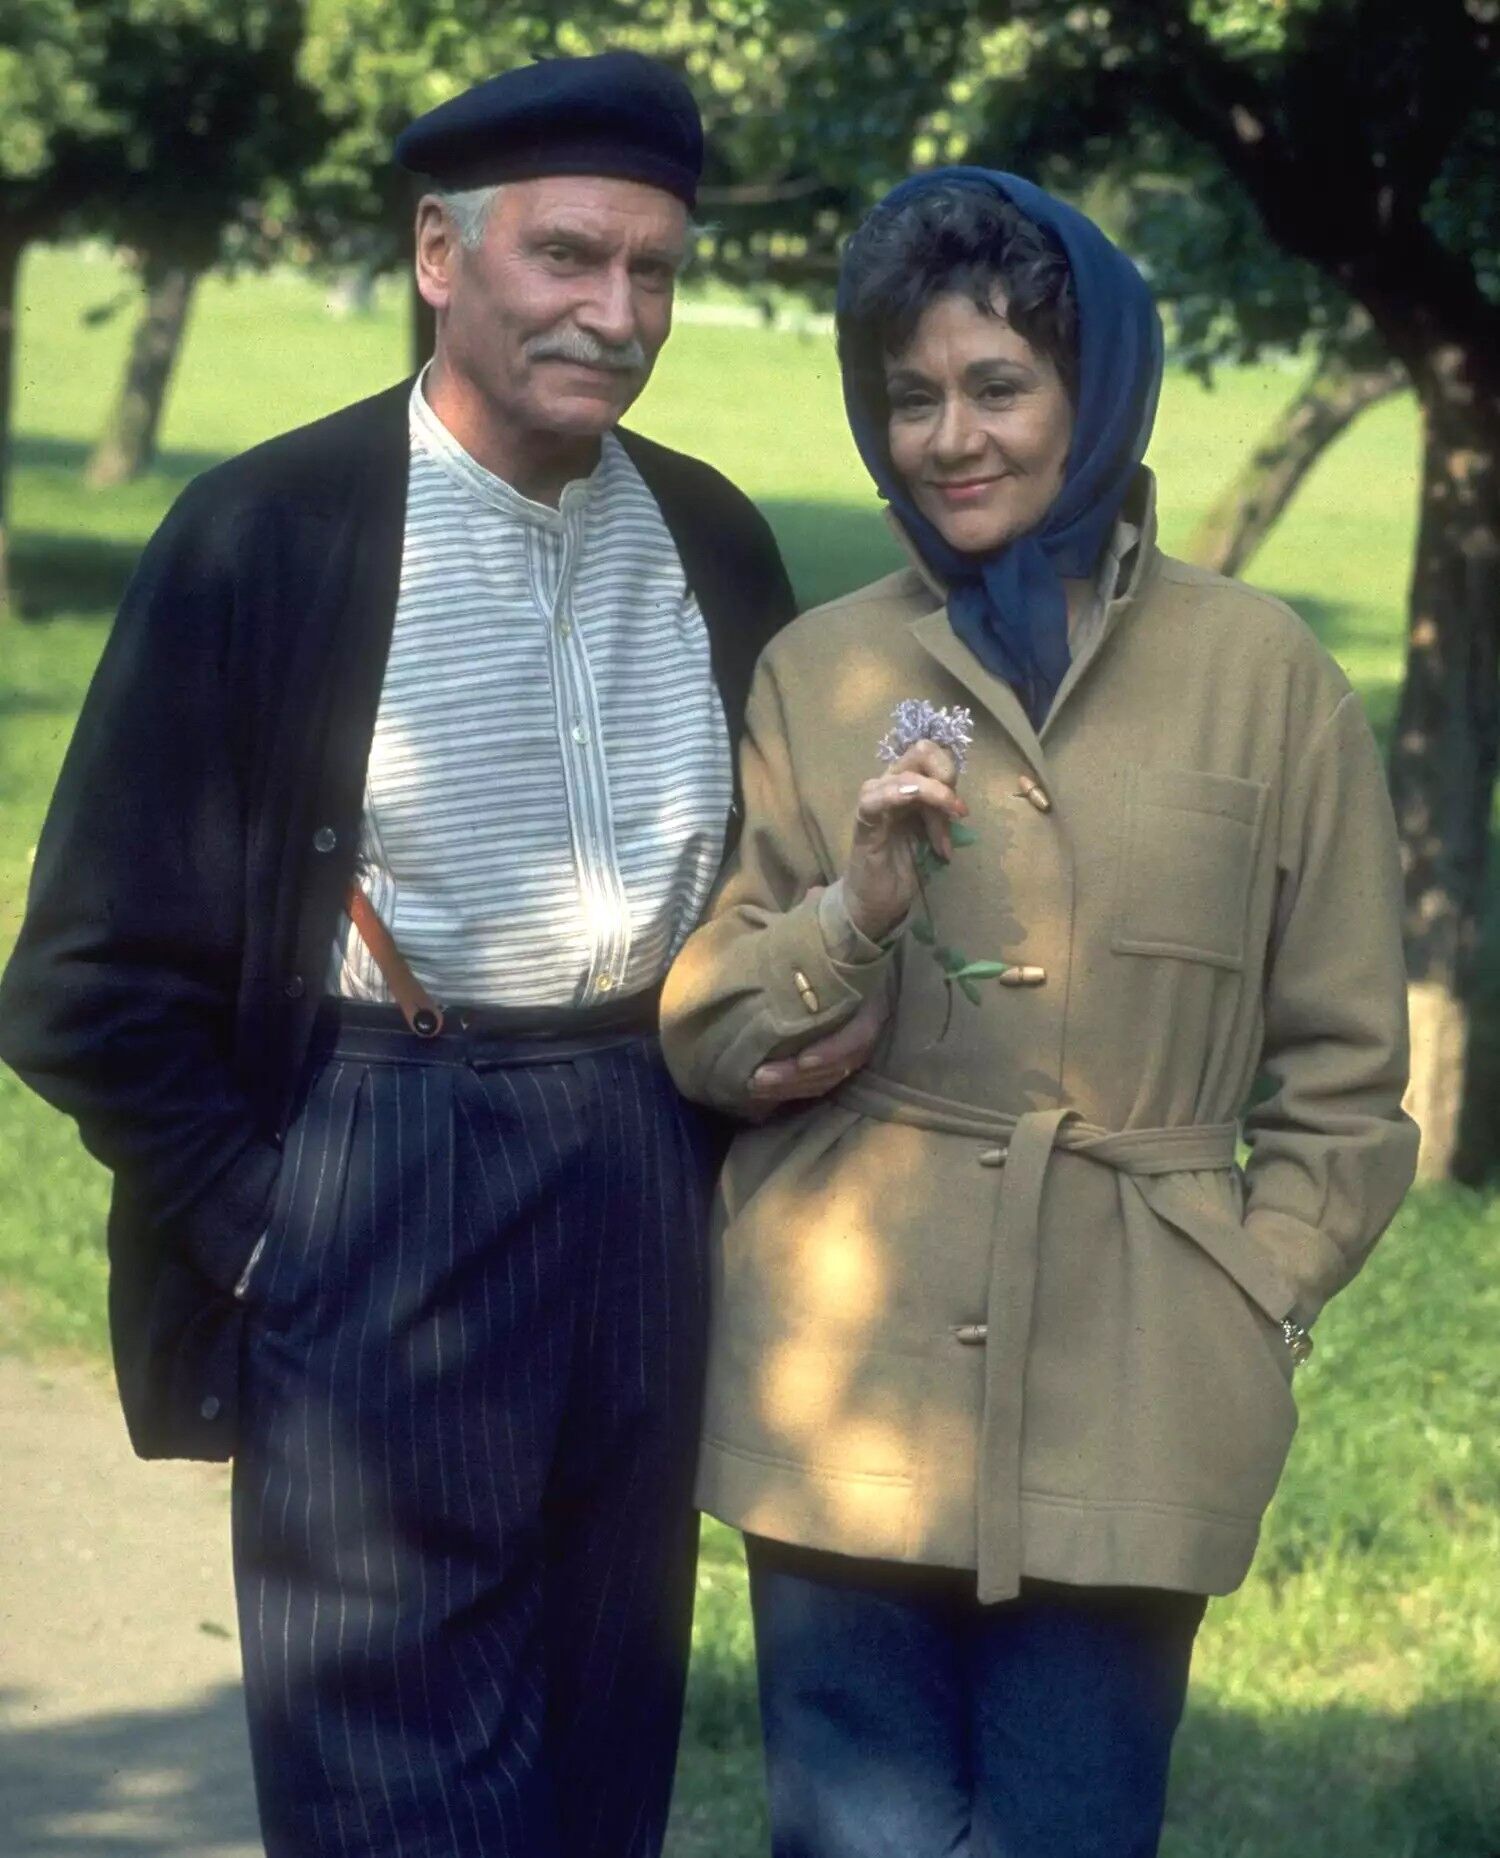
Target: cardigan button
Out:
[325,839]
[1022,977]
[805,988]
[993,1157]
[1034,792]
[972,1335]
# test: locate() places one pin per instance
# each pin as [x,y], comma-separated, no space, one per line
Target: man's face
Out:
[556,318]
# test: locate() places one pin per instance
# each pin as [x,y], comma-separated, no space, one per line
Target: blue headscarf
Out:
[1009,606]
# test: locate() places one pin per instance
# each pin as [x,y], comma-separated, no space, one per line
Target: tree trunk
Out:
[10,275]
[128,443]
[353,292]
[1336,393]
[1443,757]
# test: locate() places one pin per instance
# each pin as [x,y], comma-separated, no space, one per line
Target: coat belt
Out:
[1145,1160]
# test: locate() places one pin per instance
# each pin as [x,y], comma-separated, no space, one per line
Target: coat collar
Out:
[937,637]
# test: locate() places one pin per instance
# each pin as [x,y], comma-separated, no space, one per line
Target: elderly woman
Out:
[1004,1336]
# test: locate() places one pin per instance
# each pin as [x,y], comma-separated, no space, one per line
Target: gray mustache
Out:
[577,345]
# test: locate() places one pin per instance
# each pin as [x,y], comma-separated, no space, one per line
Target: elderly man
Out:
[408,766]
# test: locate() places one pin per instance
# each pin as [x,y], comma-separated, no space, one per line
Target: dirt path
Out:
[121,1726]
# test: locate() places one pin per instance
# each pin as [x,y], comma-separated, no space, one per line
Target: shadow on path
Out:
[1340,1781]
[128,1784]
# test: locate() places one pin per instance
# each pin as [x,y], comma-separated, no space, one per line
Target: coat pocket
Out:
[310,1194]
[1203,1411]
[1187,858]
[1224,1238]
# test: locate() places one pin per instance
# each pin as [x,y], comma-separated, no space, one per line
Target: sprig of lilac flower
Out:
[916,720]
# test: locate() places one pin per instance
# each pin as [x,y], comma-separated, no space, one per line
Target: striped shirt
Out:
[550,776]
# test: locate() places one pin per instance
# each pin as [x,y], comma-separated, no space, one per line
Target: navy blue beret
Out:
[619,114]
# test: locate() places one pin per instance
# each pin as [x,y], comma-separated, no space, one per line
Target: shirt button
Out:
[565,628]
[210,1407]
[325,839]
[580,735]
[294,987]
[603,984]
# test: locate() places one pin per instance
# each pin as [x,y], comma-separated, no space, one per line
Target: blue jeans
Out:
[905,1720]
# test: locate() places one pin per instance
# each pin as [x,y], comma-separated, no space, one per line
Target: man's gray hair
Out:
[469,209]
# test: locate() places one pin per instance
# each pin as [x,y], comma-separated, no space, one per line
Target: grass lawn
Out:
[1346,1703]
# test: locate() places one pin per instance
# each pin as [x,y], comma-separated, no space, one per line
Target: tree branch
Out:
[1304,159]
[764,193]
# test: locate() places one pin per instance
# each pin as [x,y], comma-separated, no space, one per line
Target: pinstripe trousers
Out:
[463,1536]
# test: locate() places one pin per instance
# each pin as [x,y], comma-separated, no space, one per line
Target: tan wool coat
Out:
[1006,1300]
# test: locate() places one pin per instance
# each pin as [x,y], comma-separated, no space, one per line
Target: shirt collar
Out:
[1090,625]
[429,434]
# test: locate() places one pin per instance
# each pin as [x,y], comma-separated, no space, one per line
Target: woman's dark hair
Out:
[956,238]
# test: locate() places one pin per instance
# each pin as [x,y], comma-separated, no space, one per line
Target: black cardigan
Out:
[189,878]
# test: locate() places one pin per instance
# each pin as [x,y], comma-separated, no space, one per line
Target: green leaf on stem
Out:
[922,931]
[971,992]
[981,970]
[961,834]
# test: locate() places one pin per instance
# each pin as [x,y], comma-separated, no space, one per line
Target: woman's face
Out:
[980,424]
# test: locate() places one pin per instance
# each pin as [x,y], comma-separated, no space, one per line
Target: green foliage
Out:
[207,112]
[1240,151]
[376,65]
[51,61]
[157,122]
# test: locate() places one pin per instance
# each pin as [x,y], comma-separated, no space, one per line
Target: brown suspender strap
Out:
[418,1008]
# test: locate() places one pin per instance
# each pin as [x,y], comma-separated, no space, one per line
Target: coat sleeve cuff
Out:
[218,1230]
[1309,1260]
[808,987]
[847,944]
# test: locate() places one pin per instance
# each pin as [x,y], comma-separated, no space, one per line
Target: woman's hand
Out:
[823,1065]
[915,797]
